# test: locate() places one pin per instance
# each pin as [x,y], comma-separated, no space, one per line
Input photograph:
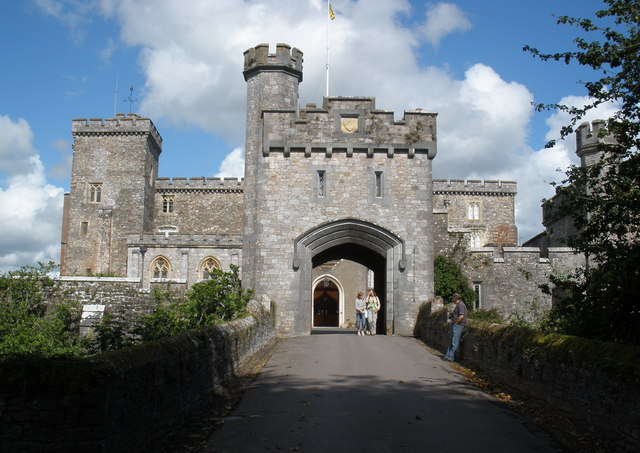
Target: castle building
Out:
[335,199]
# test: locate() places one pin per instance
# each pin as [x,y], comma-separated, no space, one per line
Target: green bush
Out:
[217,299]
[27,325]
[449,279]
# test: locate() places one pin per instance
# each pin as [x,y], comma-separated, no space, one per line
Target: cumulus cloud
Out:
[32,208]
[15,146]
[232,165]
[443,19]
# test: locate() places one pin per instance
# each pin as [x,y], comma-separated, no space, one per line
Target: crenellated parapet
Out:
[473,186]
[122,124]
[199,184]
[285,59]
[348,125]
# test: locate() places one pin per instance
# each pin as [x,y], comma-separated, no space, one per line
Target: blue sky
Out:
[463,59]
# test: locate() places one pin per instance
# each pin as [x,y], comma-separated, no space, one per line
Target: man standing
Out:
[459,319]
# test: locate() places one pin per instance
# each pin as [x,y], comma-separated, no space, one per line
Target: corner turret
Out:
[285,59]
[588,140]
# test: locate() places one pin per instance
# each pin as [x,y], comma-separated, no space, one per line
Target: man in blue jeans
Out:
[458,319]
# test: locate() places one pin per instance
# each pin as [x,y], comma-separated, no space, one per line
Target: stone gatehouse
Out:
[335,199]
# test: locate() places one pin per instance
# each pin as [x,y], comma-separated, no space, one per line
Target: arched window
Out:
[160,268]
[207,266]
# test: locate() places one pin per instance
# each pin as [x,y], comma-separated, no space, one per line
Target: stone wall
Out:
[596,384]
[200,205]
[507,278]
[494,221]
[127,400]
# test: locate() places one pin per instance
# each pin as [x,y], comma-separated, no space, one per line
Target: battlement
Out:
[472,186]
[122,124]
[199,183]
[588,137]
[286,58]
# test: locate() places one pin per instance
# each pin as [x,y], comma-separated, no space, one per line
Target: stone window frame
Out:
[474,210]
[207,264]
[168,204]
[94,192]
[475,239]
[160,268]
[322,183]
[378,183]
[84,229]
[477,288]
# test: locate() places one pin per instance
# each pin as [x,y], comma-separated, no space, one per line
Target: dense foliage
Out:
[449,279]
[602,300]
[217,299]
[28,326]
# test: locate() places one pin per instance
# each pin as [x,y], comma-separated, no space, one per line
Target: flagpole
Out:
[328,22]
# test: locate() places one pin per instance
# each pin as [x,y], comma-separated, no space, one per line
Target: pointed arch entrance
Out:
[363,242]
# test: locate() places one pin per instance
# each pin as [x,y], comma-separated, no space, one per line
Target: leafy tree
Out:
[603,199]
[28,326]
[449,279]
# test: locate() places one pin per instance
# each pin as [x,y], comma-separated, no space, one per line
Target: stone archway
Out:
[362,242]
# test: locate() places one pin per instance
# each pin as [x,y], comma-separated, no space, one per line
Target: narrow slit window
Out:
[322,183]
[378,184]
[84,228]
[477,288]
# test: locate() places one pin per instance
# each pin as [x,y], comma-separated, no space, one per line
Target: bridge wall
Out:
[126,400]
[593,383]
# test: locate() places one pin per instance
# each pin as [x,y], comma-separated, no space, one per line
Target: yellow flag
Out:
[331,14]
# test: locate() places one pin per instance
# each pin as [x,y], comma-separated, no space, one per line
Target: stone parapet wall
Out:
[121,124]
[117,294]
[595,384]
[198,183]
[126,400]
[441,186]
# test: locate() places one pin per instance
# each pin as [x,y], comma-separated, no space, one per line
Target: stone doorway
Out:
[326,304]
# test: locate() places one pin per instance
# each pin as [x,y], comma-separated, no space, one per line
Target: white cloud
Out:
[32,208]
[442,20]
[232,165]
[15,146]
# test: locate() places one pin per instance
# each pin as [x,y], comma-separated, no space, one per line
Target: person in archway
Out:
[361,310]
[459,319]
[373,306]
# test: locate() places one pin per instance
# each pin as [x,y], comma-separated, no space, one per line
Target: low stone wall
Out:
[126,400]
[596,384]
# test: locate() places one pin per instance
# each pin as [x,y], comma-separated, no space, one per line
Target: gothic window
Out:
[160,268]
[475,240]
[378,184]
[208,266]
[322,183]
[167,204]
[474,211]
[95,192]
